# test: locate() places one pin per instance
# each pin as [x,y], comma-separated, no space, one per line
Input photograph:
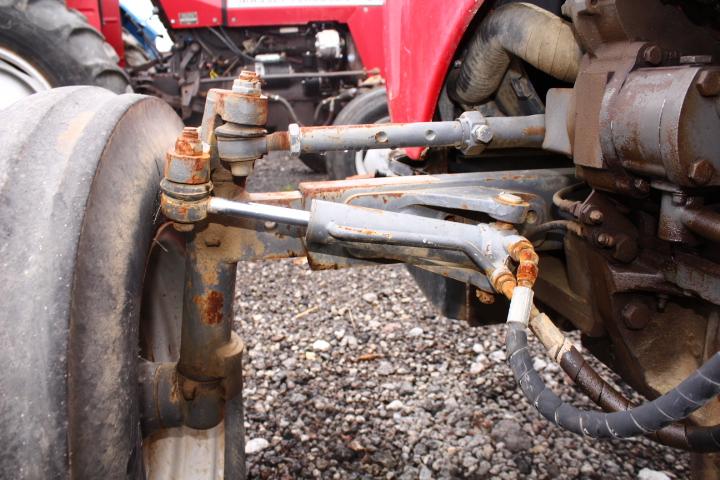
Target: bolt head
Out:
[247,83]
[485,297]
[701,172]
[596,216]
[483,134]
[606,240]
[708,83]
[652,54]
[636,315]
[188,142]
[510,198]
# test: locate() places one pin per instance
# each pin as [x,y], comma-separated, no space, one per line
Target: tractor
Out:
[314,61]
[549,165]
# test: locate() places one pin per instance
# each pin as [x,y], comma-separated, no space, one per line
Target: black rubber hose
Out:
[677,404]
[562,225]
[283,101]
[693,438]
[537,36]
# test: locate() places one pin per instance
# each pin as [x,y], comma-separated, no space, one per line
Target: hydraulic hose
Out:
[563,225]
[687,437]
[287,105]
[694,392]
[537,36]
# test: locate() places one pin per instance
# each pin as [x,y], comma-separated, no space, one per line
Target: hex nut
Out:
[247,83]
[636,315]
[708,83]
[701,172]
[484,297]
[596,216]
[295,134]
[652,54]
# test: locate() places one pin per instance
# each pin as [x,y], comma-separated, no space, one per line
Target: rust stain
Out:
[311,189]
[69,137]
[534,132]
[211,307]
[278,141]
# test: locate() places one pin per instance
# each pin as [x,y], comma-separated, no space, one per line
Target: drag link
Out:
[471,133]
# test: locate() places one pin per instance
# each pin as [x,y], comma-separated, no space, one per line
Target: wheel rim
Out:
[373,162]
[18,78]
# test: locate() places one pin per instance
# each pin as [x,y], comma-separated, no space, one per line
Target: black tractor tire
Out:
[79,215]
[368,107]
[61,44]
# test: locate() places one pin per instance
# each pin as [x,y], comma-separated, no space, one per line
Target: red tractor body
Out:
[427,32]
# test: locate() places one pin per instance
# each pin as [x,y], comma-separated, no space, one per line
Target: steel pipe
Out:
[258,211]
[391,135]
[517,132]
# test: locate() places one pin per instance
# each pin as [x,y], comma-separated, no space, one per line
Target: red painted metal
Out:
[422,38]
[193,13]
[411,42]
[104,15]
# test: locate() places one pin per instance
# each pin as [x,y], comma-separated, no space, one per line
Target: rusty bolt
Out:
[247,83]
[641,185]
[510,198]
[485,297]
[701,172]
[483,134]
[606,240]
[187,163]
[708,83]
[595,216]
[188,142]
[636,315]
[652,54]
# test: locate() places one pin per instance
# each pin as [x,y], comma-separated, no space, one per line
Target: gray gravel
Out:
[352,374]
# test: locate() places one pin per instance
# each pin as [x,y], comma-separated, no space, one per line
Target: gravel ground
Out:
[352,374]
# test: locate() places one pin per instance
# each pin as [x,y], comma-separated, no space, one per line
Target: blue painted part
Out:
[144,33]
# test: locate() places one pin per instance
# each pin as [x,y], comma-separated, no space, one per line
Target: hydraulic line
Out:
[563,203]
[539,37]
[688,437]
[565,225]
[691,394]
[283,101]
